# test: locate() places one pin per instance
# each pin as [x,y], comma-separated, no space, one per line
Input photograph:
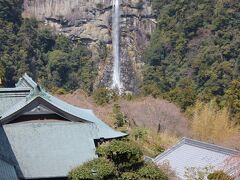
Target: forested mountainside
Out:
[195,52]
[173,52]
[86,24]
[91,23]
[52,59]
[193,55]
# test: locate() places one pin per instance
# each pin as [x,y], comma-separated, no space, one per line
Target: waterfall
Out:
[116,80]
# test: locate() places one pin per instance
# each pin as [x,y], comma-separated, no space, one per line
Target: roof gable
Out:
[38,96]
[40,109]
[25,107]
[36,147]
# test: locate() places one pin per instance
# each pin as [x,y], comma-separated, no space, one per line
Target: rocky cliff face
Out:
[90,22]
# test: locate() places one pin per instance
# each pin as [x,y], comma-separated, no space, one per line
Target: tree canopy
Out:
[50,58]
[194,53]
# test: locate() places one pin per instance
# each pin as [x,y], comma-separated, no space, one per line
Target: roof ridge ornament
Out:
[37,91]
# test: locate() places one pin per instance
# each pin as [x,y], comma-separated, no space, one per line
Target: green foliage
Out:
[59,91]
[124,154]
[151,171]
[1,76]
[118,160]
[184,94]
[103,96]
[10,10]
[94,170]
[119,117]
[219,175]
[150,89]
[139,133]
[58,67]
[63,43]
[233,98]
[197,42]
[129,176]
[52,59]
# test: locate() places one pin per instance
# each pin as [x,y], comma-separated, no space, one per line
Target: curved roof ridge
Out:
[86,114]
[22,104]
[26,81]
[60,107]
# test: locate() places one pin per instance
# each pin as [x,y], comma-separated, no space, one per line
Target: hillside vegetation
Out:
[51,59]
[194,56]
[193,60]
[194,53]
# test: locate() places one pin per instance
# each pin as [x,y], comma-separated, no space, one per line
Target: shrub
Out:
[129,176]
[118,160]
[151,171]
[219,175]
[100,168]
[139,133]
[58,91]
[150,89]
[102,96]
[125,155]
[119,117]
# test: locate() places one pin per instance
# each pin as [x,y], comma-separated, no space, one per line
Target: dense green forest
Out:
[52,59]
[195,52]
[193,55]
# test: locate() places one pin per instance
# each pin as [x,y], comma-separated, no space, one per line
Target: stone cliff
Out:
[90,21]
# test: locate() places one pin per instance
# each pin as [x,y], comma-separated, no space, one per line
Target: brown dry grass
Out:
[213,125]
[156,114]
[144,112]
[152,143]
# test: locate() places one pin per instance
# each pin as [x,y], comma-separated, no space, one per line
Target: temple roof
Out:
[37,96]
[50,149]
[11,96]
[47,148]
[7,171]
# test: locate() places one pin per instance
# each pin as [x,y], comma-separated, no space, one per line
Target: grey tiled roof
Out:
[192,153]
[77,114]
[7,171]
[42,149]
[11,96]
[50,149]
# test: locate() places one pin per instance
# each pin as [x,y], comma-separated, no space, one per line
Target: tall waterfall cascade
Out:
[116,77]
